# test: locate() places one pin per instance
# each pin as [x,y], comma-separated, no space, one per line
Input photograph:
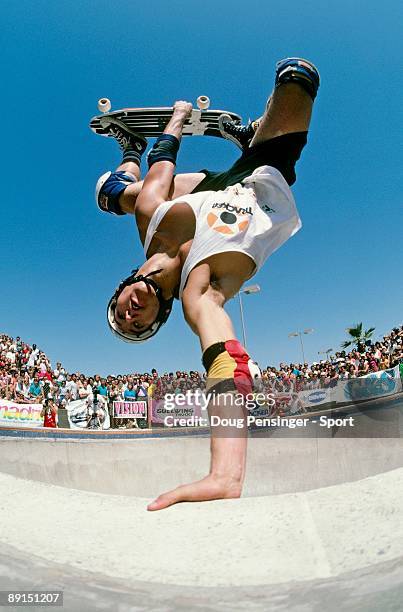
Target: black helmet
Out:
[163,312]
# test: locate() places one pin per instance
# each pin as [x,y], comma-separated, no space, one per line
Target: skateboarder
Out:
[202,245]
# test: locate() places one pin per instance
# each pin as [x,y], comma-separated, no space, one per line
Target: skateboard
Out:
[151,122]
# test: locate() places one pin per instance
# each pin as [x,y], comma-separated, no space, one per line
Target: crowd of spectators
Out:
[27,375]
[366,358]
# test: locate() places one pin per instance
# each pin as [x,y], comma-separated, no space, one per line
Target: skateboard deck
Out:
[151,122]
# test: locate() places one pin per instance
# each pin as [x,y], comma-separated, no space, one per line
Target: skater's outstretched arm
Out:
[157,184]
[223,356]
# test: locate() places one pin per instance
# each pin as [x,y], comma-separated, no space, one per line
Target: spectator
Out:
[22,388]
[130,394]
[33,355]
[385,360]
[102,388]
[49,414]
[35,389]
[141,388]
[71,386]
[62,394]
[84,388]
[11,355]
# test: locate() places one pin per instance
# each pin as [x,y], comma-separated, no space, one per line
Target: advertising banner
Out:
[79,411]
[371,386]
[316,397]
[13,414]
[159,411]
[283,402]
[130,410]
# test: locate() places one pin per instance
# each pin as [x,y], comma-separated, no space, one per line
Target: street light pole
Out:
[302,347]
[242,319]
[247,290]
[299,333]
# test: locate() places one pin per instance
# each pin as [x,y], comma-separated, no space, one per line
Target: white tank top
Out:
[255,218]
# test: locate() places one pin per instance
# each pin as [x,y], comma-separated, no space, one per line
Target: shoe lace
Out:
[238,130]
[120,137]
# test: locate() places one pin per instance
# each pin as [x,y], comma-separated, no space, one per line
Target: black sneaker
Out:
[127,139]
[241,135]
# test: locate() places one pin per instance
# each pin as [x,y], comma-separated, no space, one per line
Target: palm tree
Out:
[357,335]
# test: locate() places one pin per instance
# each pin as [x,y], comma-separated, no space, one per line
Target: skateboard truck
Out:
[197,127]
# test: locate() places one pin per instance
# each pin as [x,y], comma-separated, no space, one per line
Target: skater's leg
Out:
[289,110]
[130,167]
[111,185]
[290,105]
[128,186]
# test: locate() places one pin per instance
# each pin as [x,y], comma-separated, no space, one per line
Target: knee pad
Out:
[297,70]
[229,368]
[108,189]
[165,149]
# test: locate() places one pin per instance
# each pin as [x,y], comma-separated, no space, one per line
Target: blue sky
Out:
[61,258]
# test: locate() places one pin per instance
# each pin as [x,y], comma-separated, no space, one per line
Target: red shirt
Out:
[50,418]
[46,374]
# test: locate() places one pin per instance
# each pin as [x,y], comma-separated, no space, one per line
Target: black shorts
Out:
[281,152]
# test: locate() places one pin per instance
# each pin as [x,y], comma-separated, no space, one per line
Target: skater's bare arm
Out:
[182,184]
[208,320]
[208,287]
[203,307]
[157,184]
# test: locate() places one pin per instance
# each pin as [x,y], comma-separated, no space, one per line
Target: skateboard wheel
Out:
[104,105]
[203,102]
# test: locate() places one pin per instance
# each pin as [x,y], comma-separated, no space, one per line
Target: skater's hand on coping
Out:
[182,108]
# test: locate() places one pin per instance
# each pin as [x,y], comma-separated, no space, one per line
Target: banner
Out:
[288,403]
[285,403]
[316,397]
[78,413]
[159,411]
[371,386]
[282,400]
[130,410]
[20,415]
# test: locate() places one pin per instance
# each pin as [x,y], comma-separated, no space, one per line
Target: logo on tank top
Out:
[229,219]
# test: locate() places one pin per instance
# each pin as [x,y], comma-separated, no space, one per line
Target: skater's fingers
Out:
[183,105]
